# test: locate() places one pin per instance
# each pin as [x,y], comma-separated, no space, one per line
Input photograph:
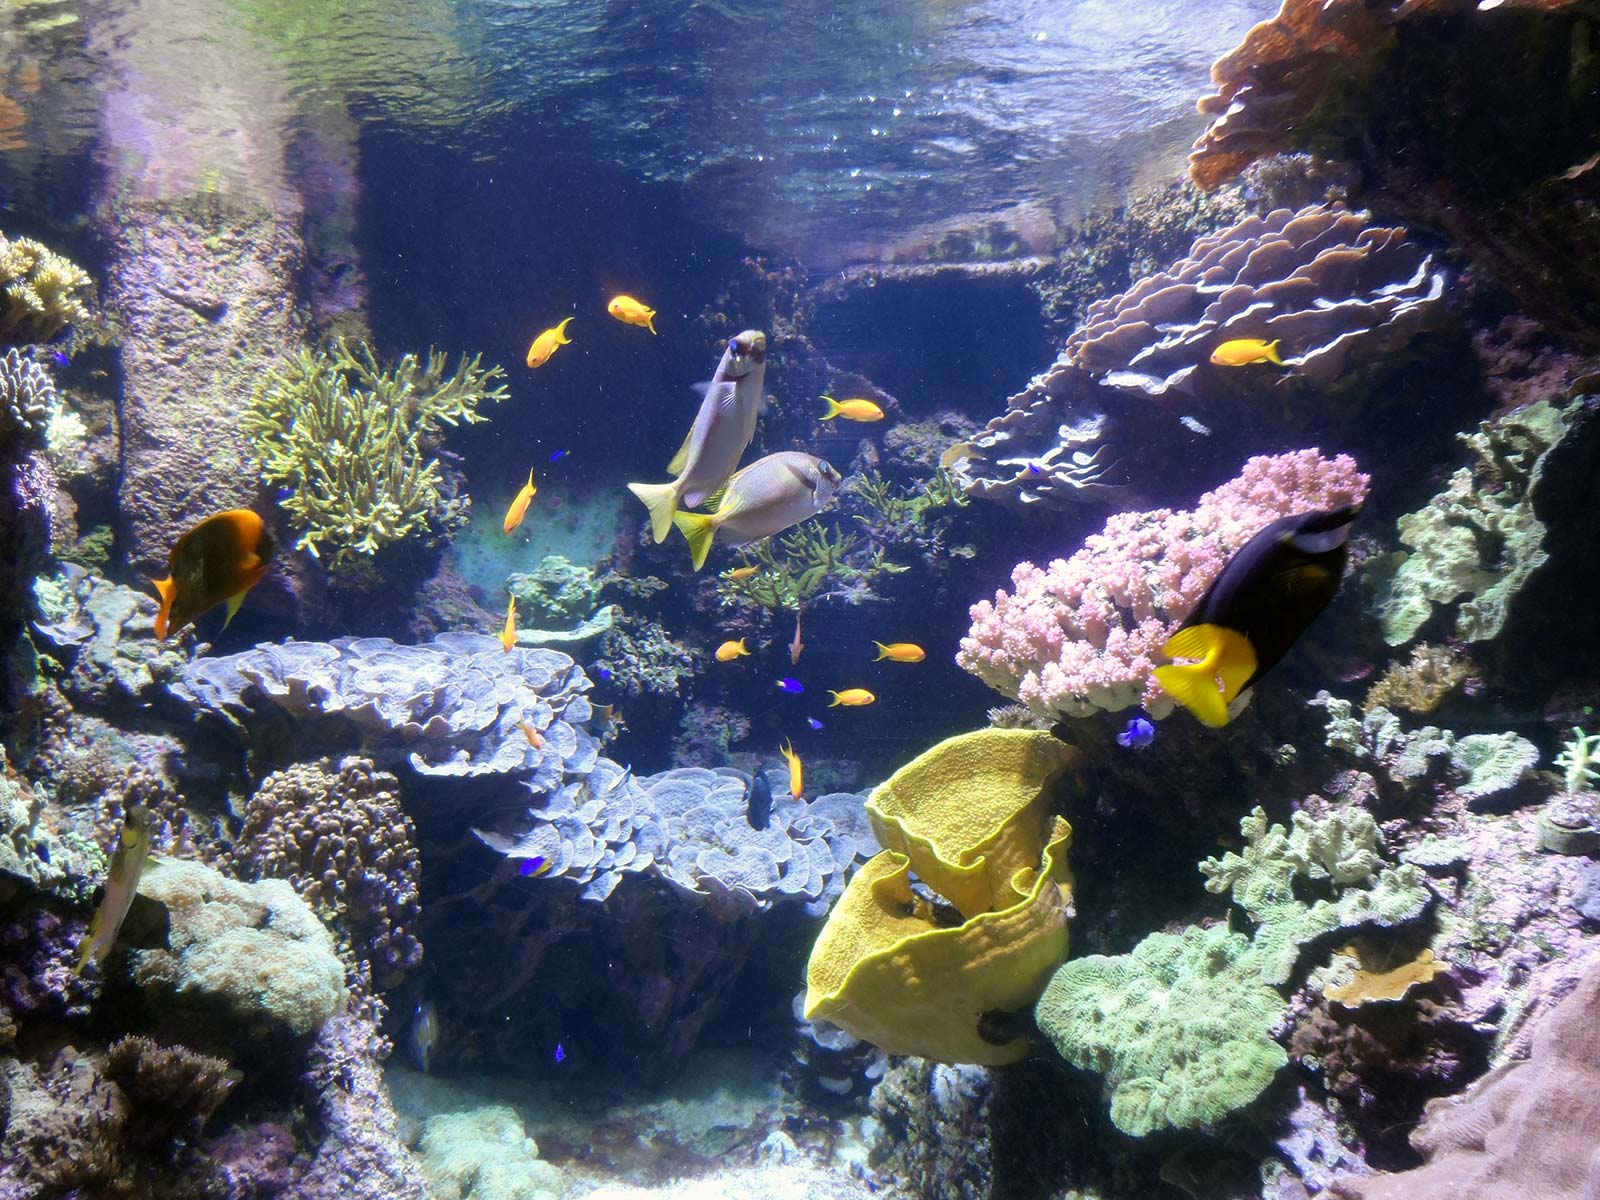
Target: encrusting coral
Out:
[1418,686]
[914,969]
[40,292]
[1084,634]
[352,445]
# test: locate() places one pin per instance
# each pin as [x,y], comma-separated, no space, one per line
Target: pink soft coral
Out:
[1084,633]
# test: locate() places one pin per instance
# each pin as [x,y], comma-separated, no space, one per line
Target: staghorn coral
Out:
[171,1089]
[28,399]
[813,562]
[354,445]
[1420,685]
[341,839]
[1083,635]
[1336,289]
[41,293]
[1477,542]
[1579,761]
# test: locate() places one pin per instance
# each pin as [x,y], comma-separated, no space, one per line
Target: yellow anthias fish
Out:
[535,738]
[796,771]
[630,312]
[851,698]
[729,651]
[906,652]
[797,645]
[545,344]
[218,560]
[519,506]
[742,572]
[122,880]
[508,635]
[852,410]
[1242,352]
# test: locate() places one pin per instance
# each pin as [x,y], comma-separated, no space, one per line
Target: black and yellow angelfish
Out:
[1265,598]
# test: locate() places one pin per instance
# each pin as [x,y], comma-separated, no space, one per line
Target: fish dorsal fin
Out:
[713,502]
[680,460]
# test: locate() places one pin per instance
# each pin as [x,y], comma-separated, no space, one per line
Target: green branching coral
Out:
[41,293]
[1339,854]
[353,445]
[1580,759]
[899,519]
[815,561]
[1180,1028]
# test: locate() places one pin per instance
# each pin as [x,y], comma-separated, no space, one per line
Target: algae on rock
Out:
[352,445]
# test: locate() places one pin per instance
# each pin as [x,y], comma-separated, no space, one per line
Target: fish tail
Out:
[1271,351]
[1223,653]
[834,408]
[699,529]
[883,651]
[836,700]
[650,320]
[167,589]
[561,333]
[662,501]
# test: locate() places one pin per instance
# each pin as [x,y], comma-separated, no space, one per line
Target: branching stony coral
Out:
[41,291]
[351,445]
[1580,759]
[27,398]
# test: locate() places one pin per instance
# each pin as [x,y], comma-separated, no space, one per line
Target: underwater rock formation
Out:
[104,634]
[1082,635]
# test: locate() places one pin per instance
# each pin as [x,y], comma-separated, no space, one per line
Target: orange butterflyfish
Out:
[851,698]
[508,635]
[217,561]
[731,650]
[545,344]
[519,506]
[631,312]
[1242,352]
[906,652]
[535,738]
[852,410]
[796,772]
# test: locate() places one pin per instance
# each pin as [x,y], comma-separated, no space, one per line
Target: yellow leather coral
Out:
[971,817]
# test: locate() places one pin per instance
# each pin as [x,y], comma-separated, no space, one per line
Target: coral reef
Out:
[353,446]
[1477,542]
[27,399]
[1420,685]
[556,594]
[914,973]
[1083,634]
[485,1154]
[105,633]
[171,1090]
[41,293]
[341,839]
[935,1121]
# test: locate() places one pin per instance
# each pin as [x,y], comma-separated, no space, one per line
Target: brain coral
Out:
[340,837]
[1084,634]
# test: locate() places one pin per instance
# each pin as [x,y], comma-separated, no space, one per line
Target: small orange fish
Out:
[852,410]
[545,344]
[796,772]
[742,572]
[1242,352]
[851,698]
[630,312]
[508,635]
[519,506]
[906,652]
[218,560]
[535,738]
[729,651]
[797,645]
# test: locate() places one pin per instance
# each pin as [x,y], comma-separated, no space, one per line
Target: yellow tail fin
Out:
[883,651]
[662,501]
[1271,352]
[833,408]
[1206,688]
[700,530]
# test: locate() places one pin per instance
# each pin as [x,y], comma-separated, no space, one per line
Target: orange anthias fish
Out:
[797,645]
[519,506]
[851,698]
[545,344]
[906,652]
[631,312]
[796,772]
[535,738]
[852,410]
[742,572]
[1242,352]
[731,650]
[508,635]
[218,560]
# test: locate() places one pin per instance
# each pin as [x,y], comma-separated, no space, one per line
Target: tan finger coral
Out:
[42,292]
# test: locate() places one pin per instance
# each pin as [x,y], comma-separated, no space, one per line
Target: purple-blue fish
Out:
[814,723]
[532,866]
[1138,734]
[603,674]
[561,1053]
[792,686]
[558,456]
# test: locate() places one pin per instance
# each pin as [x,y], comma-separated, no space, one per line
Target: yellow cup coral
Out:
[972,819]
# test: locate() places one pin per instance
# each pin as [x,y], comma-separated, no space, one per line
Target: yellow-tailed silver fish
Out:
[722,429]
[423,1035]
[122,881]
[765,498]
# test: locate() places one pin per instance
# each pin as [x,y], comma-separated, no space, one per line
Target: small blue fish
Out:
[532,866]
[60,357]
[1033,469]
[792,686]
[1138,734]
[558,456]
[603,674]
[561,1053]
[814,723]
[285,493]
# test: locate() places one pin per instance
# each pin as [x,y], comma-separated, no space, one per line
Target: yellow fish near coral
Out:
[535,738]
[508,635]
[1243,352]
[519,506]
[218,560]
[852,410]
[545,344]
[906,652]
[739,573]
[122,880]
[631,312]
[852,698]
[796,771]
[729,651]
